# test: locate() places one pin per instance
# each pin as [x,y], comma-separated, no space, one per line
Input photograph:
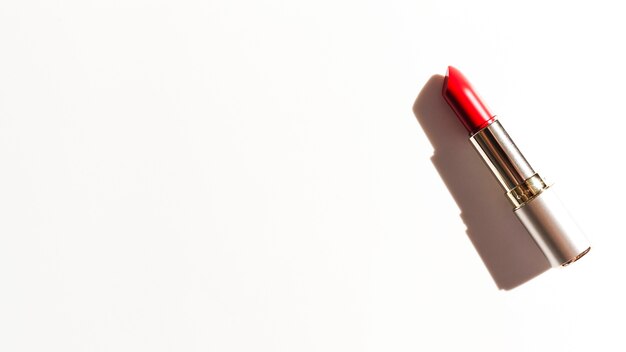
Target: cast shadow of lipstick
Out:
[506,248]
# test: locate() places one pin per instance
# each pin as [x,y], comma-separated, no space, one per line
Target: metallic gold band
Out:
[525,192]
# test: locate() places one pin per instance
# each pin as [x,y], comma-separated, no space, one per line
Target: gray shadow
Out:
[504,245]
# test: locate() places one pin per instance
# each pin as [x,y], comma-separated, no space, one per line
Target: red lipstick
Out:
[533,200]
[465,102]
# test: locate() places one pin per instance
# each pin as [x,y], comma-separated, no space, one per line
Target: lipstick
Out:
[533,200]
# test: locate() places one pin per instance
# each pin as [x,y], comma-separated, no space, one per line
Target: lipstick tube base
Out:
[553,229]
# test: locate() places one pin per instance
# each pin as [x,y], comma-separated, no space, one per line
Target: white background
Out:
[251,176]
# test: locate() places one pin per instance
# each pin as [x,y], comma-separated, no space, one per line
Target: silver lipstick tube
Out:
[534,201]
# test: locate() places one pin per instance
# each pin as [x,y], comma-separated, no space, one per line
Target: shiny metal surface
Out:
[502,156]
[533,200]
[527,191]
[553,229]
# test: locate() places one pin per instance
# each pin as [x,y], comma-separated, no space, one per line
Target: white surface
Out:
[250,176]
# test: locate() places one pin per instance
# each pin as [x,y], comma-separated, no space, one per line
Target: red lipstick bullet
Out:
[465,102]
[534,201]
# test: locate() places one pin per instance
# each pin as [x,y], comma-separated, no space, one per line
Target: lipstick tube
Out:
[533,200]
